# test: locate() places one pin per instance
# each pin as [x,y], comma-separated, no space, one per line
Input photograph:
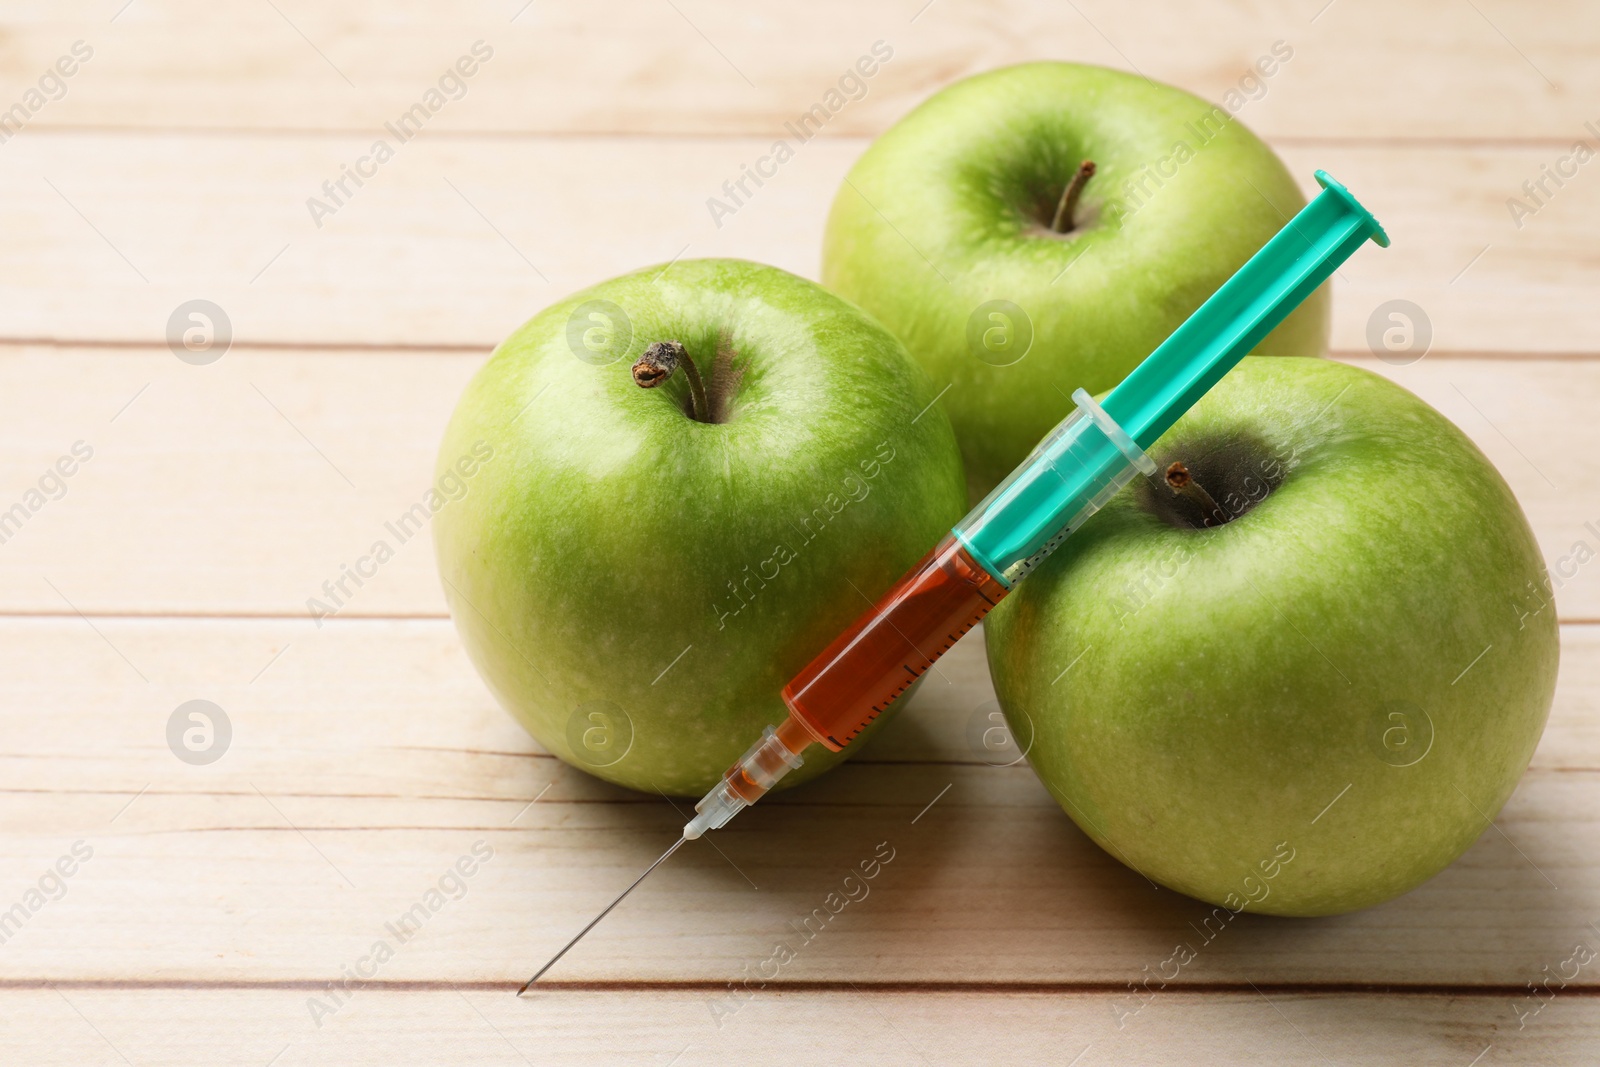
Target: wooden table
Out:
[214,912]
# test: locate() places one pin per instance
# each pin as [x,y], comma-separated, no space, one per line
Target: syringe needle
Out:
[595,921]
[769,759]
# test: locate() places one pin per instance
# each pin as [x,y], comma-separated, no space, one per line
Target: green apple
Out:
[947,230]
[1316,704]
[637,572]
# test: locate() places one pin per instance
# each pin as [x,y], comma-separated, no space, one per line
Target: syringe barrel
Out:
[1070,475]
[889,646]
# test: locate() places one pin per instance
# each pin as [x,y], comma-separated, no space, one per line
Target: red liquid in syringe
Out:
[888,647]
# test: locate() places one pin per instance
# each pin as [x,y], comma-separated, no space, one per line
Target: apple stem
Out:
[1063,222]
[657,365]
[1183,484]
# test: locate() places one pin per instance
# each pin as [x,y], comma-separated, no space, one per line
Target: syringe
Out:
[1070,475]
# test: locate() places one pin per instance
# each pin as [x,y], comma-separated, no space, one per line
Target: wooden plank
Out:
[1437,70]
[407,688]
[89,1027]
[239,487]
[457,241]
[243,486]
[367,761]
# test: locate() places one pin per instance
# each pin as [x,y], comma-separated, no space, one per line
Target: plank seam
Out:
[157,347]
[850,987]
[112,344]
[753,133]
[344,618]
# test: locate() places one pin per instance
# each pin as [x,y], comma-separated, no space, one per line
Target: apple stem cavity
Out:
[1068,204]
[657,365]
[1183,484]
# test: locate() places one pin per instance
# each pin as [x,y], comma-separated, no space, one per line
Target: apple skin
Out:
[943,214]
[600,540]
[1235,680]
